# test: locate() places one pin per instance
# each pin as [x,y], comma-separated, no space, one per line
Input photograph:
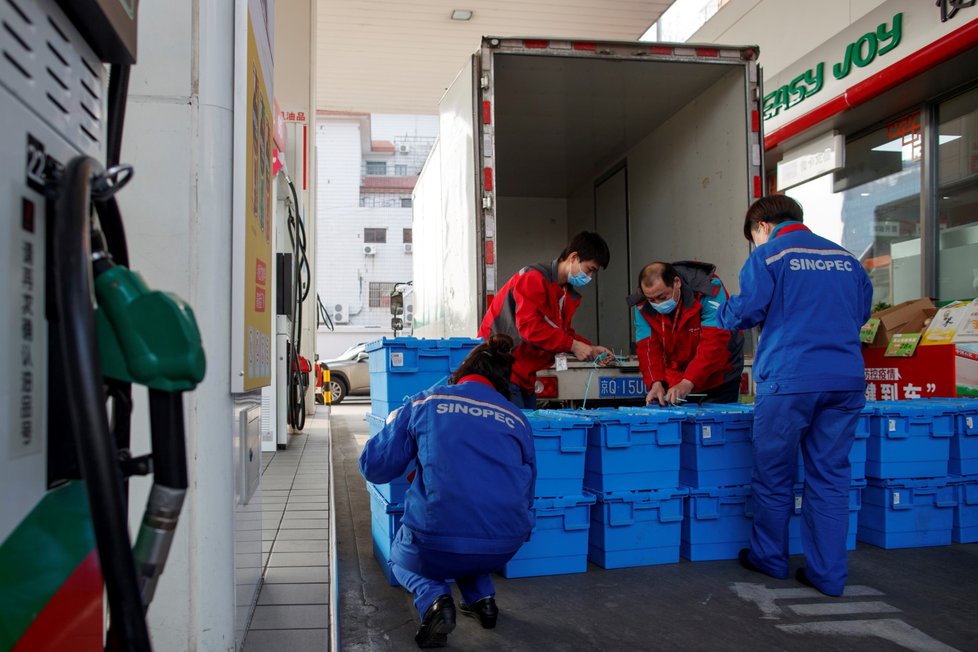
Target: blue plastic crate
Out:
[906,513]
[636,528]
[383,408]
[909,439]
[560,440]
[964,444]
[857,454]
[393,492]
[717,448]
[964,528]
[717,523]
[404,366]
[559,541]
[633,449]
[385,519]
[794,525]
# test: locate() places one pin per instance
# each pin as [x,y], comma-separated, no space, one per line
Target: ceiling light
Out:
[864,194]
[461,14]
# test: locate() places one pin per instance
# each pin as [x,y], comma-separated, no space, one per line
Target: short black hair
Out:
[589,246]
[655,270]
[493,359]
[773,209]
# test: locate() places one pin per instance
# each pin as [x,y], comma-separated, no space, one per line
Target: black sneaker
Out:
[437,624]
[803,578]
[485,610]
[743,558]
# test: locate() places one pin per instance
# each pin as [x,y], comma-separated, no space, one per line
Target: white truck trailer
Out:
[657,147]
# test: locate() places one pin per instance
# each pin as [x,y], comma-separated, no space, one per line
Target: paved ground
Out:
[922,599]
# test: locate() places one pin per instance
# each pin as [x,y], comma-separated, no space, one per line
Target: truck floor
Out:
[922,599]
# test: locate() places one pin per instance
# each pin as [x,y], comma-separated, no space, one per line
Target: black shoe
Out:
[743,558]
[485,610]
[803,578]
[437,624]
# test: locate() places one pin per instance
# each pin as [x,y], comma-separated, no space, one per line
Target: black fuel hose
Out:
[296,388]
[75,328]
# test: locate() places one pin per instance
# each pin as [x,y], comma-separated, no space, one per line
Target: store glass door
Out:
[958,186]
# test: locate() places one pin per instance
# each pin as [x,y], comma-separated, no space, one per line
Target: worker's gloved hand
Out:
[656,395]
[678,392]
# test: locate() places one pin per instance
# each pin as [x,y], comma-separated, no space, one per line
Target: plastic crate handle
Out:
[573,441]
[620,514]
[706,507]
[668,436]
[613,438]
[671,510]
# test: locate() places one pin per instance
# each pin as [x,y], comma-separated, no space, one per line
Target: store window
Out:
[377,168]
[872,206]
[407,235]
[957,170]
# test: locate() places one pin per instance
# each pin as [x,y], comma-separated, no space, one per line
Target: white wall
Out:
[783,29]
[178,218]
[344,272]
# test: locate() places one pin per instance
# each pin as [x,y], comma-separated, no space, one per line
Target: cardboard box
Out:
[940,370]
[907,317]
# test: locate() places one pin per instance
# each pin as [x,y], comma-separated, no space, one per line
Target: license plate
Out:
[620,387]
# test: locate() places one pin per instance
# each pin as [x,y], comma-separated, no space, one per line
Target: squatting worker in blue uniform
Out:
[810,297]
[470,506]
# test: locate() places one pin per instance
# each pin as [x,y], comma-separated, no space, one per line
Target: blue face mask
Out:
[665,307]
[580,279]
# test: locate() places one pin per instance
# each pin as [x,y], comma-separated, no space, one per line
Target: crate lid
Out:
[907,483]
[637,496]
[390,508]
[914,407]
[422,343]
[720,492]
[563,501]
[557,418]
[652,414]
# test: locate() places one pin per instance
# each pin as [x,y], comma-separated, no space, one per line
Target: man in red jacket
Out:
[535,308]
[679,344]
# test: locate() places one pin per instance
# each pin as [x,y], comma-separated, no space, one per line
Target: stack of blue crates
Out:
[963,469]
[632,469]
[401,367]
[559,541]
[716,461]
[907,501]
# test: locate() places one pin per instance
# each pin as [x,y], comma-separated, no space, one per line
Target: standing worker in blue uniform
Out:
[810,297]
[470,506]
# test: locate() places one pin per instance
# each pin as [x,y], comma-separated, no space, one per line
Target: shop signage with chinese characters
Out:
[932,371]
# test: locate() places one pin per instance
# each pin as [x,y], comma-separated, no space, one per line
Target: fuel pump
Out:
[77,328]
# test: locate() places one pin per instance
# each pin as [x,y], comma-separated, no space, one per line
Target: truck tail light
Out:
[546,387]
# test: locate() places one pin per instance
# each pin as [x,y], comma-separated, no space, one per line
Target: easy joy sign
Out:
[885,36]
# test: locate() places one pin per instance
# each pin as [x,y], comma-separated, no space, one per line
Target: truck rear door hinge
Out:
[484,82]
[487,202]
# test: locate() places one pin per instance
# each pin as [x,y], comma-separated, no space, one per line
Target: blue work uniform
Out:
[810,297]
[470,505]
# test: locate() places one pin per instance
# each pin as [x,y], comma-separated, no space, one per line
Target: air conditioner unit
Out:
[341,313]
[404,148]
[369,250]
[408,247]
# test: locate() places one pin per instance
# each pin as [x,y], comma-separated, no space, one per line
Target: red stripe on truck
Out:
[589,47]
[487,113]
[487,178]
[536,45]
[707,52]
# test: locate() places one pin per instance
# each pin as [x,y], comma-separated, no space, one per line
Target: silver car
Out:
[348,374]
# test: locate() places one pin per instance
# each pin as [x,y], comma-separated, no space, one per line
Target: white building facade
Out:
[365,243]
